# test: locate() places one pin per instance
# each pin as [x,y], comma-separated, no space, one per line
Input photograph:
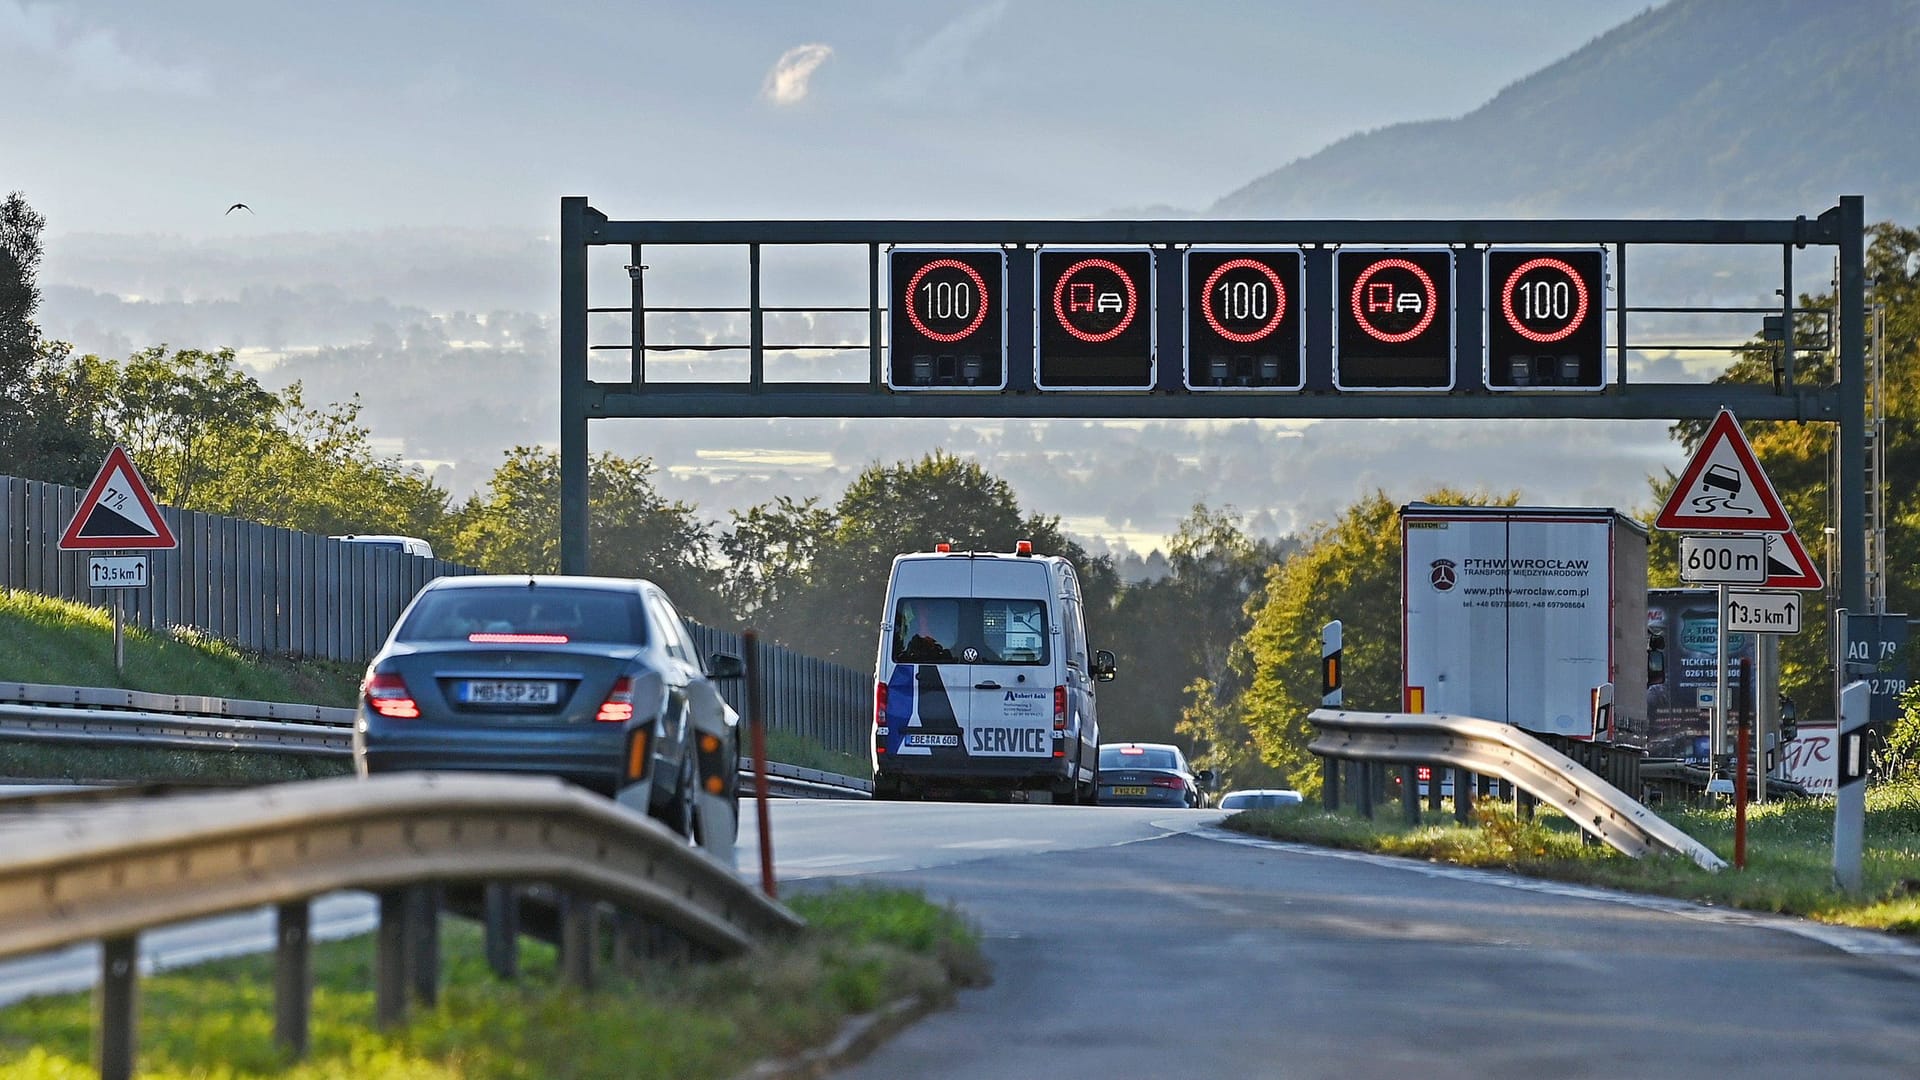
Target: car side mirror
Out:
[1206,778]
[725,666]
[1103,665]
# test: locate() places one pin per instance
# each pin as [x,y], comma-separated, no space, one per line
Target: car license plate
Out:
[1129,791]
[508,692]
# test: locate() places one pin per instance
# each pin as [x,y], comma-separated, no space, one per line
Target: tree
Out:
[1179,632]
[19,295]
[169,408]
[513,527]
[889,509]
[58,433]
[770,553]
[1348,570]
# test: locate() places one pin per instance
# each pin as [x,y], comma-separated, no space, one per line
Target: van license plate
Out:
[508,692]
[1129,791]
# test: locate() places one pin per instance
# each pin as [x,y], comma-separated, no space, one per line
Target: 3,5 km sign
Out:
[1724,560]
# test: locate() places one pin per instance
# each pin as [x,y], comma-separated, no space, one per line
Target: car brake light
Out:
[618,708]
[517,639]
[1131,750]
[1059,708]
[1168,782]
[387,694]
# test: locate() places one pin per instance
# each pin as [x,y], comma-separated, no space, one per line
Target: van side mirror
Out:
[725,666]
[1103,665]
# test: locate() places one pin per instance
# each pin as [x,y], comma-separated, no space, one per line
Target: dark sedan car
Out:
[1149,774]
[594,680]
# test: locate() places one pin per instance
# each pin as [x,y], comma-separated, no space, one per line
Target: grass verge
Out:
[789,748]
[863,949]
[1789,853]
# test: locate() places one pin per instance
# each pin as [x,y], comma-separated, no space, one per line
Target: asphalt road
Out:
[1124,949]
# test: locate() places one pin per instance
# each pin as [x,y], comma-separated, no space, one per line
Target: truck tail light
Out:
[618,708]
[879,718]
[387,694]
[1059,708]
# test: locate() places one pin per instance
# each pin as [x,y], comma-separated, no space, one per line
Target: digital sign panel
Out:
[1095,319]
[947,320]
[1243,325]
[1546,318]
[1393,319]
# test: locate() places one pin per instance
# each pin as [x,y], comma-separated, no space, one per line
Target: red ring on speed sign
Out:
[1426,320]
[1279,300]
[1059,301]
[1579,292]
[913,313]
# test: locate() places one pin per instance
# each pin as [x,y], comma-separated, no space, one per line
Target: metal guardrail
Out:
[1504,751]
[111,870]
[97,716]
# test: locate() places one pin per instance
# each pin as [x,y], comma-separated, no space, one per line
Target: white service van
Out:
[984,679]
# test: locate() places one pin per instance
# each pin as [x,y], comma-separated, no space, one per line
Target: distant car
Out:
[1259,799]
[409,545]
[593,680]
[1149,774]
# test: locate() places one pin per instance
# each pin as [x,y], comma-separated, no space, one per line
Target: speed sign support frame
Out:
[583,399]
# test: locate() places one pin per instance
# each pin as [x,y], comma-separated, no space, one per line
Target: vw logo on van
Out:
[1442,574]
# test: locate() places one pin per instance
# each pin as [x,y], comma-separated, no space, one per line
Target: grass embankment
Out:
[863,950]
[1789,853]
[45,640]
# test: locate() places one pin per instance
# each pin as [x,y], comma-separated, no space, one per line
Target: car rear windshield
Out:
[1139,758]
[969,630]
[573,614]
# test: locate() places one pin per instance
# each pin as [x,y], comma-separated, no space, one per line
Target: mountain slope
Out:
[1711,108]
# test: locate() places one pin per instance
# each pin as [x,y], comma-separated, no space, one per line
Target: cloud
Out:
[93,57]
[787,83]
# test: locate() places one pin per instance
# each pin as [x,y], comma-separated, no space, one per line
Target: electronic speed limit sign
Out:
[947,319]
[1546,319]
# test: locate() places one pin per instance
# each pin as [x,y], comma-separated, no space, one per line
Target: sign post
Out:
[1850,786]
[117,513]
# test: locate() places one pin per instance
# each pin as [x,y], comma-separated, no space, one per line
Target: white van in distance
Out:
[984,681]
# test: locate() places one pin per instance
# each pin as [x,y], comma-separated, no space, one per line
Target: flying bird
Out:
[238,206]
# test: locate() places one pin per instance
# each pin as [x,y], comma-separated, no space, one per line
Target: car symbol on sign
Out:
[1719,476]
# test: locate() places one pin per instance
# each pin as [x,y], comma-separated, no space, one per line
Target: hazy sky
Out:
[133,116]
[134,125]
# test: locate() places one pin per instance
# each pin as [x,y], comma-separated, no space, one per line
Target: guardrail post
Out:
[1523,805]
[1363,789]
[390,961]
[502,901]
[423,939]
[1410,793]
[1434,774]
[576,939]
[116,1008]
[292,977]
[1464,783]
[1330,783]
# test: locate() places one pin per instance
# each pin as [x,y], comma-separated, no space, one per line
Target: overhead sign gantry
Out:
[1177,319]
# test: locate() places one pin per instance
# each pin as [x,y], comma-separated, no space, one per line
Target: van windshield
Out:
[970,630]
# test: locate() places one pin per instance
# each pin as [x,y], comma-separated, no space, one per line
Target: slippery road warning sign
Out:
[1723,488]
[117,512]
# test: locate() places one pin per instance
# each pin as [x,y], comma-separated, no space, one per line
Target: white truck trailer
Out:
[1520,614]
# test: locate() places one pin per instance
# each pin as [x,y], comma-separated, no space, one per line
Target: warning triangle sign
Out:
[117,512]
[1723,488]
[1788,566]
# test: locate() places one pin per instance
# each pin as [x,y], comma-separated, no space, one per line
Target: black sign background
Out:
[1581,294]
[1393,319]
[1096,327]
[1250,336]
[947,321]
